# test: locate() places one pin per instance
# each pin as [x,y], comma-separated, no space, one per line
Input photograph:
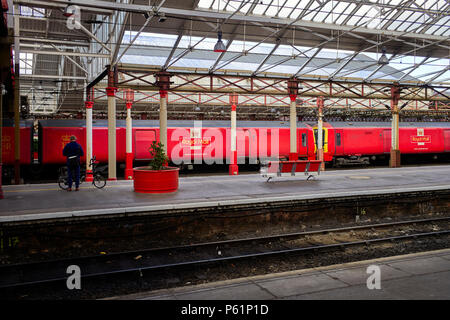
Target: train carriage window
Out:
[304,141]
[338,139]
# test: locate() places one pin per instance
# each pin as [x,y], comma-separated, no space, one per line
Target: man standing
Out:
[73,152]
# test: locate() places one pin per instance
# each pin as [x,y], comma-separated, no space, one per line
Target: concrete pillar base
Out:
[129,166]
[233,170]
[395,159]
[128,174]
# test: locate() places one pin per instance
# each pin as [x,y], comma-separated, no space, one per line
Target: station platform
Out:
[48,201]
[424,276]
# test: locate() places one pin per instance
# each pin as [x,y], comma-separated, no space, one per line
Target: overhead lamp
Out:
[219,47]
[383,59]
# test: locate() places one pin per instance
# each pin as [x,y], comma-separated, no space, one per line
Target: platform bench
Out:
[273,169]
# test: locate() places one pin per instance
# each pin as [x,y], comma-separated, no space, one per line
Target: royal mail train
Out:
[343,142]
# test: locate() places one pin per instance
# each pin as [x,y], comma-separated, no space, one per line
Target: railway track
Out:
[136,263]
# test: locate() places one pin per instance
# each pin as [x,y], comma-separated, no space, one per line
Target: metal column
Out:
[129,98]
[163,81]
[88,104]
[111,93]
[293,91]
[320,136]
[16,84]
[1,138]
[233,168]
[395,146]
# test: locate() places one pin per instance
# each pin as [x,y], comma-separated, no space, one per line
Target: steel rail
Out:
[99,258]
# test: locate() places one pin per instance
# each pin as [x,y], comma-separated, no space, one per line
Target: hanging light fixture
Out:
[383,59]
[219,47]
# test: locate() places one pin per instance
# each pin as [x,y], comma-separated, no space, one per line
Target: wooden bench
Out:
[273,169]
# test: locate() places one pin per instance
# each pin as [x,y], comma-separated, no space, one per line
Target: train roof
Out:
[23,123]
[170,123]
[242,124]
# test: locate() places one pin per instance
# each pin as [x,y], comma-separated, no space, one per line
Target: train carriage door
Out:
[251,146]
[302,141]
[339,141]
[386,140]
[447,140]
[143,139]
[324,139]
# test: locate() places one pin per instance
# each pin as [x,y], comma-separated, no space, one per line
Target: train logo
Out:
[421,138]
[196,140]
[65,139]
[6,144]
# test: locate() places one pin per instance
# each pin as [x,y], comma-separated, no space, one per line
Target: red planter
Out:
[155,181]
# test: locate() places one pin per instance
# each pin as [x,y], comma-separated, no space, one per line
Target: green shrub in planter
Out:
[159,157]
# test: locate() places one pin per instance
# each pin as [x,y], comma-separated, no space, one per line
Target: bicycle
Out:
[98,181]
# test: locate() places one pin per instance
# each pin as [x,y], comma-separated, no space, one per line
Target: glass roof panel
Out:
[245,8]
[259,9]
[271,10]
[404,26]
[239,46]
[284,12]
[336,11]
[205,3]
[444,77]
[328,12]
[345,13]
[311,11]
[295,13]
[150,39]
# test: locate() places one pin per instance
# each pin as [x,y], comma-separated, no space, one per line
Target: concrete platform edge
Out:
[252,279]
[156,208]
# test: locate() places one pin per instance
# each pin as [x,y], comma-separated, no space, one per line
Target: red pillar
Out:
[293,92]
[88,105]
[129,98]
[395,145]
[320,136]
[233,168]
[1,138]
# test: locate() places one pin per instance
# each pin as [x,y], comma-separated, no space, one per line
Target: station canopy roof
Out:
[308,39]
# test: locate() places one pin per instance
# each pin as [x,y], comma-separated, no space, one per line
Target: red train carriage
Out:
[343,142]
[26,142]
[210,143]
[362,142]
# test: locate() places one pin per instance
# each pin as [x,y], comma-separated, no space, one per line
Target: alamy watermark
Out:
[74,280]
[374,280]
[73,14]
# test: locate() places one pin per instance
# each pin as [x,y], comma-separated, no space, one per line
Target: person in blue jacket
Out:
[73,151]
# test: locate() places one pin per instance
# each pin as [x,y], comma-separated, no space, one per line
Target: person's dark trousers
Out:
[70,170]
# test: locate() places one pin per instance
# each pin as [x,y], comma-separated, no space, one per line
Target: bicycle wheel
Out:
[62,182]
[99,181]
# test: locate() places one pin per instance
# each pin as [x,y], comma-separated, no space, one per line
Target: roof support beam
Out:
[66,53]
[210,14]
